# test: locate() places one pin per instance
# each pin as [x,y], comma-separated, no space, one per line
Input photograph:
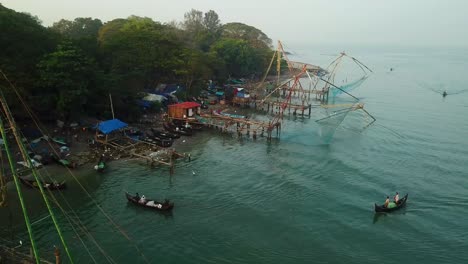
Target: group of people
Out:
[142,200]
[396,199]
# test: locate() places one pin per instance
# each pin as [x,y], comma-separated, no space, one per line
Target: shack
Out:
[183,110]
[107,127]
[241,96]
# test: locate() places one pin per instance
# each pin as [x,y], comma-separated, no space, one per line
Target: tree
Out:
[242,31]
[67,77]
[193,21]
[81,27]
[23,42]
[237,55]
[195,69]
[211,22]
[136,54]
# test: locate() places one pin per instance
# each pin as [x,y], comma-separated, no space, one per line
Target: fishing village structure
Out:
[114,139]
[287,96]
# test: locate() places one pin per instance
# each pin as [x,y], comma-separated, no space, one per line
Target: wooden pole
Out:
[112,106]
[57,256]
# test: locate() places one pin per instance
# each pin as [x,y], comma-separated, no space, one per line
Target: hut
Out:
[107,127]
[183,110]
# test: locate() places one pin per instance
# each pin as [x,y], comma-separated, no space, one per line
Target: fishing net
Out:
[347,87]
[330,123]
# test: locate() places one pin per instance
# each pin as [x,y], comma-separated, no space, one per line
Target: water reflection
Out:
[377,216]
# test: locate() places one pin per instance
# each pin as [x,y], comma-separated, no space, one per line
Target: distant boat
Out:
[60,141]
[151,204]
[400,204]
[45,185]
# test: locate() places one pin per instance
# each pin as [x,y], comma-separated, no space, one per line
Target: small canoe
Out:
[151,204]
[45,185]
[100,166]
[164,134]
[179,130]
[383,209]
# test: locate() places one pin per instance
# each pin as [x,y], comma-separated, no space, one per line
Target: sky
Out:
[299,22]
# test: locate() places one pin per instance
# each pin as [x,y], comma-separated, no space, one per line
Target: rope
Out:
[18,189]
[3,189]
[80,223]
[83,228]
[34,172]
[34,118]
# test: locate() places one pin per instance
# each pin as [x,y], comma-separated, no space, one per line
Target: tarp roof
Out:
[108,126]
[154,97]
[185,105]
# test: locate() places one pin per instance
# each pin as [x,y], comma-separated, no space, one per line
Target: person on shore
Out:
[387,201]
[396,199]
[444,94]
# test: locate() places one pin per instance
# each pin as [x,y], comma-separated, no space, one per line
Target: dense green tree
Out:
[123,57]
[81,27]
[67,76]
[212,23]
[239,58]
[193,21]
[242,31]
[23,42]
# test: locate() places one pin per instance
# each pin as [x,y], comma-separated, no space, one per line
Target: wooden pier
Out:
[140,150]
[241,126]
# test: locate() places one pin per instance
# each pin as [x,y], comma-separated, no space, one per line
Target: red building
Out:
[183,110]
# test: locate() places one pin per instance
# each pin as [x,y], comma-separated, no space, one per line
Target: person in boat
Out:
[387,201]
[166,202]
[142,199]
[153,204]
[137,196]
[396,199]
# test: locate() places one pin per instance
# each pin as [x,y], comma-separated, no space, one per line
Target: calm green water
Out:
[298,200]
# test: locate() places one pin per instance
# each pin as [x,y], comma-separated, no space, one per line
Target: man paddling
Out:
[387,201]
[396,199]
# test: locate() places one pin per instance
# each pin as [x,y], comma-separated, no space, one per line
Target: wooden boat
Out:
[63,162]
[100,166]
[165,134]
[193,124]
[181,130]
[400,204]
[151,204]
[160,141]
[45,185]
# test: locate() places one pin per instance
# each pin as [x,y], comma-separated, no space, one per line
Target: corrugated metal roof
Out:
[185,105]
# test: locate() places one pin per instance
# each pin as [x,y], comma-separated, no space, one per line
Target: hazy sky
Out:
[390,22]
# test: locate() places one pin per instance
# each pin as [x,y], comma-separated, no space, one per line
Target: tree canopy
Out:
[69,69]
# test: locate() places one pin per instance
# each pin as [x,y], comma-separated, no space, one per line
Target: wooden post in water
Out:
[171,162]
[57,255]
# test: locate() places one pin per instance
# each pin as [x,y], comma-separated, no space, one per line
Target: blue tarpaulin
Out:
[108,126]
[219,93]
